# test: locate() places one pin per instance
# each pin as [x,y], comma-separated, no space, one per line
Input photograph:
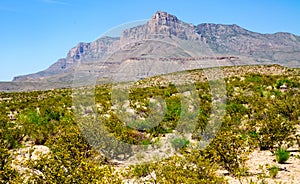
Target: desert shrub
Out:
[230,150]
[141,170]
[281,82]
[233,108]
[273,171]
[10,133]
[273,130]
[282,155]
[179,143]
[71,160]
[288,106]
[39,127]
[70,145]
[192,168]
[54,171]
[145,142]
[111,145]
[7,173]
[254,78]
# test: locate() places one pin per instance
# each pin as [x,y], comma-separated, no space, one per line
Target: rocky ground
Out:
[260,161]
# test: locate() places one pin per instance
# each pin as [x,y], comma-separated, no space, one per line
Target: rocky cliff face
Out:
[282,48]
[82,52]
[234,39]
[161,24]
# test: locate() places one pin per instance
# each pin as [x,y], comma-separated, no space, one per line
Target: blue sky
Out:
[35,33]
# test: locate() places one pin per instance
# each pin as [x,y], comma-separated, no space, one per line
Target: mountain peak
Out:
[163,23]
[163,18]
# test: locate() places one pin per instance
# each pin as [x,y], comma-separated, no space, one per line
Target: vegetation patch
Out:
[259,115]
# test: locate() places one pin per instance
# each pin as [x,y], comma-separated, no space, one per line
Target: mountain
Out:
[166,38]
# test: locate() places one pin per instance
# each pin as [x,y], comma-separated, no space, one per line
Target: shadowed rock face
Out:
[161,24]
[222,40]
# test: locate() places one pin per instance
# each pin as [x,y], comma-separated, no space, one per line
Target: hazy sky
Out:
[35,33]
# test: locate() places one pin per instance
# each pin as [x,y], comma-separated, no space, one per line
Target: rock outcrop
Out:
[161,24]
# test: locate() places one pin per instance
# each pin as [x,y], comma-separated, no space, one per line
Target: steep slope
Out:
[278,47]
[81,52]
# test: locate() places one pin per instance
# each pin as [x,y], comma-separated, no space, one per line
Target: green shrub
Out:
[281,82]
[39,127]
[273,171]
[273,130]
[7,173]
[282,155]
[141,170]
[178,143]
[253,78]
[229,150]
[145,142]
[192,168]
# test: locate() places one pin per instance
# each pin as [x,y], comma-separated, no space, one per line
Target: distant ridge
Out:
[224,40]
